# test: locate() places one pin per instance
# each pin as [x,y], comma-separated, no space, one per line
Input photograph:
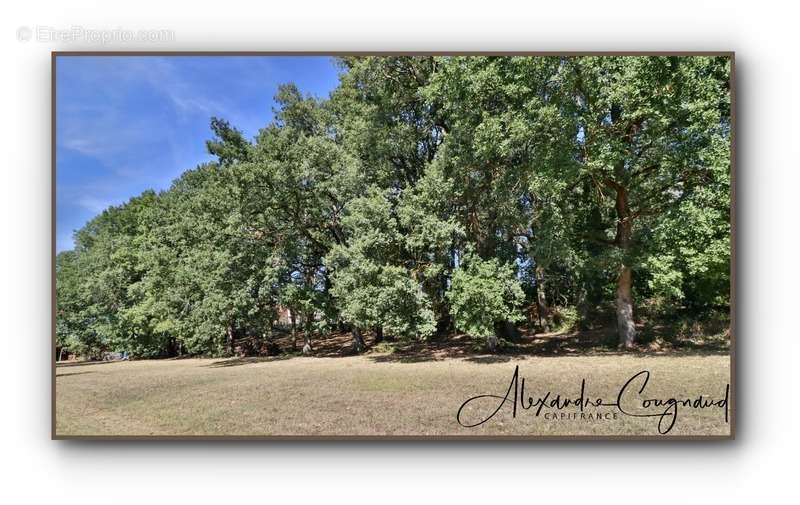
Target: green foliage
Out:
[370,284]
[229,145]
[666,280]
[484,293]
[565,318]
[424,193]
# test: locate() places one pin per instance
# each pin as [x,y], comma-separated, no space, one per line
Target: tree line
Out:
[426,196]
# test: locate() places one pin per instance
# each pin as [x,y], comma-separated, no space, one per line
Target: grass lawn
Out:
[376,394]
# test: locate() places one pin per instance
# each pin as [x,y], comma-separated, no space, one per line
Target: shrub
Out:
[482,293]
[565,318]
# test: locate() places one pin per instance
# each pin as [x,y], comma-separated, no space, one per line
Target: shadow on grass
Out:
[66,364]
[599,342]
[465,348]
[595,342]
[67,374]
[229,362]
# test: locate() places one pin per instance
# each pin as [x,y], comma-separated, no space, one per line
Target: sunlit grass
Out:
[362,395]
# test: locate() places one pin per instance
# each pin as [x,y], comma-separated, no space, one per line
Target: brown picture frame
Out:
[399,438]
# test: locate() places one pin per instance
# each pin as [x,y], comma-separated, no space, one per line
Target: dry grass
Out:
[373,394]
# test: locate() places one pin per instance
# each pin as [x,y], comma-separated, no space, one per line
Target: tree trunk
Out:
[583,310]
[229,342]
[625,323]
[293,322]
[378,334]
[307,333]
[541,300]
[268,335]
[172,347]
[491,343]
[358,340]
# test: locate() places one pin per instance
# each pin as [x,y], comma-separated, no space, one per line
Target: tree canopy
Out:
[425,196]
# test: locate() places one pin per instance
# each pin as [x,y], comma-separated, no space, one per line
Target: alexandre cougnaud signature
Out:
[631,400]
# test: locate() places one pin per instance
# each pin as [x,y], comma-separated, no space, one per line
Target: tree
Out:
[73,318]
[295,189]
[370,283]
[228,144]
[505,135]
[647,132]
[484,293]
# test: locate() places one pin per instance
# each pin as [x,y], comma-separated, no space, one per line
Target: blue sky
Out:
[127,124]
